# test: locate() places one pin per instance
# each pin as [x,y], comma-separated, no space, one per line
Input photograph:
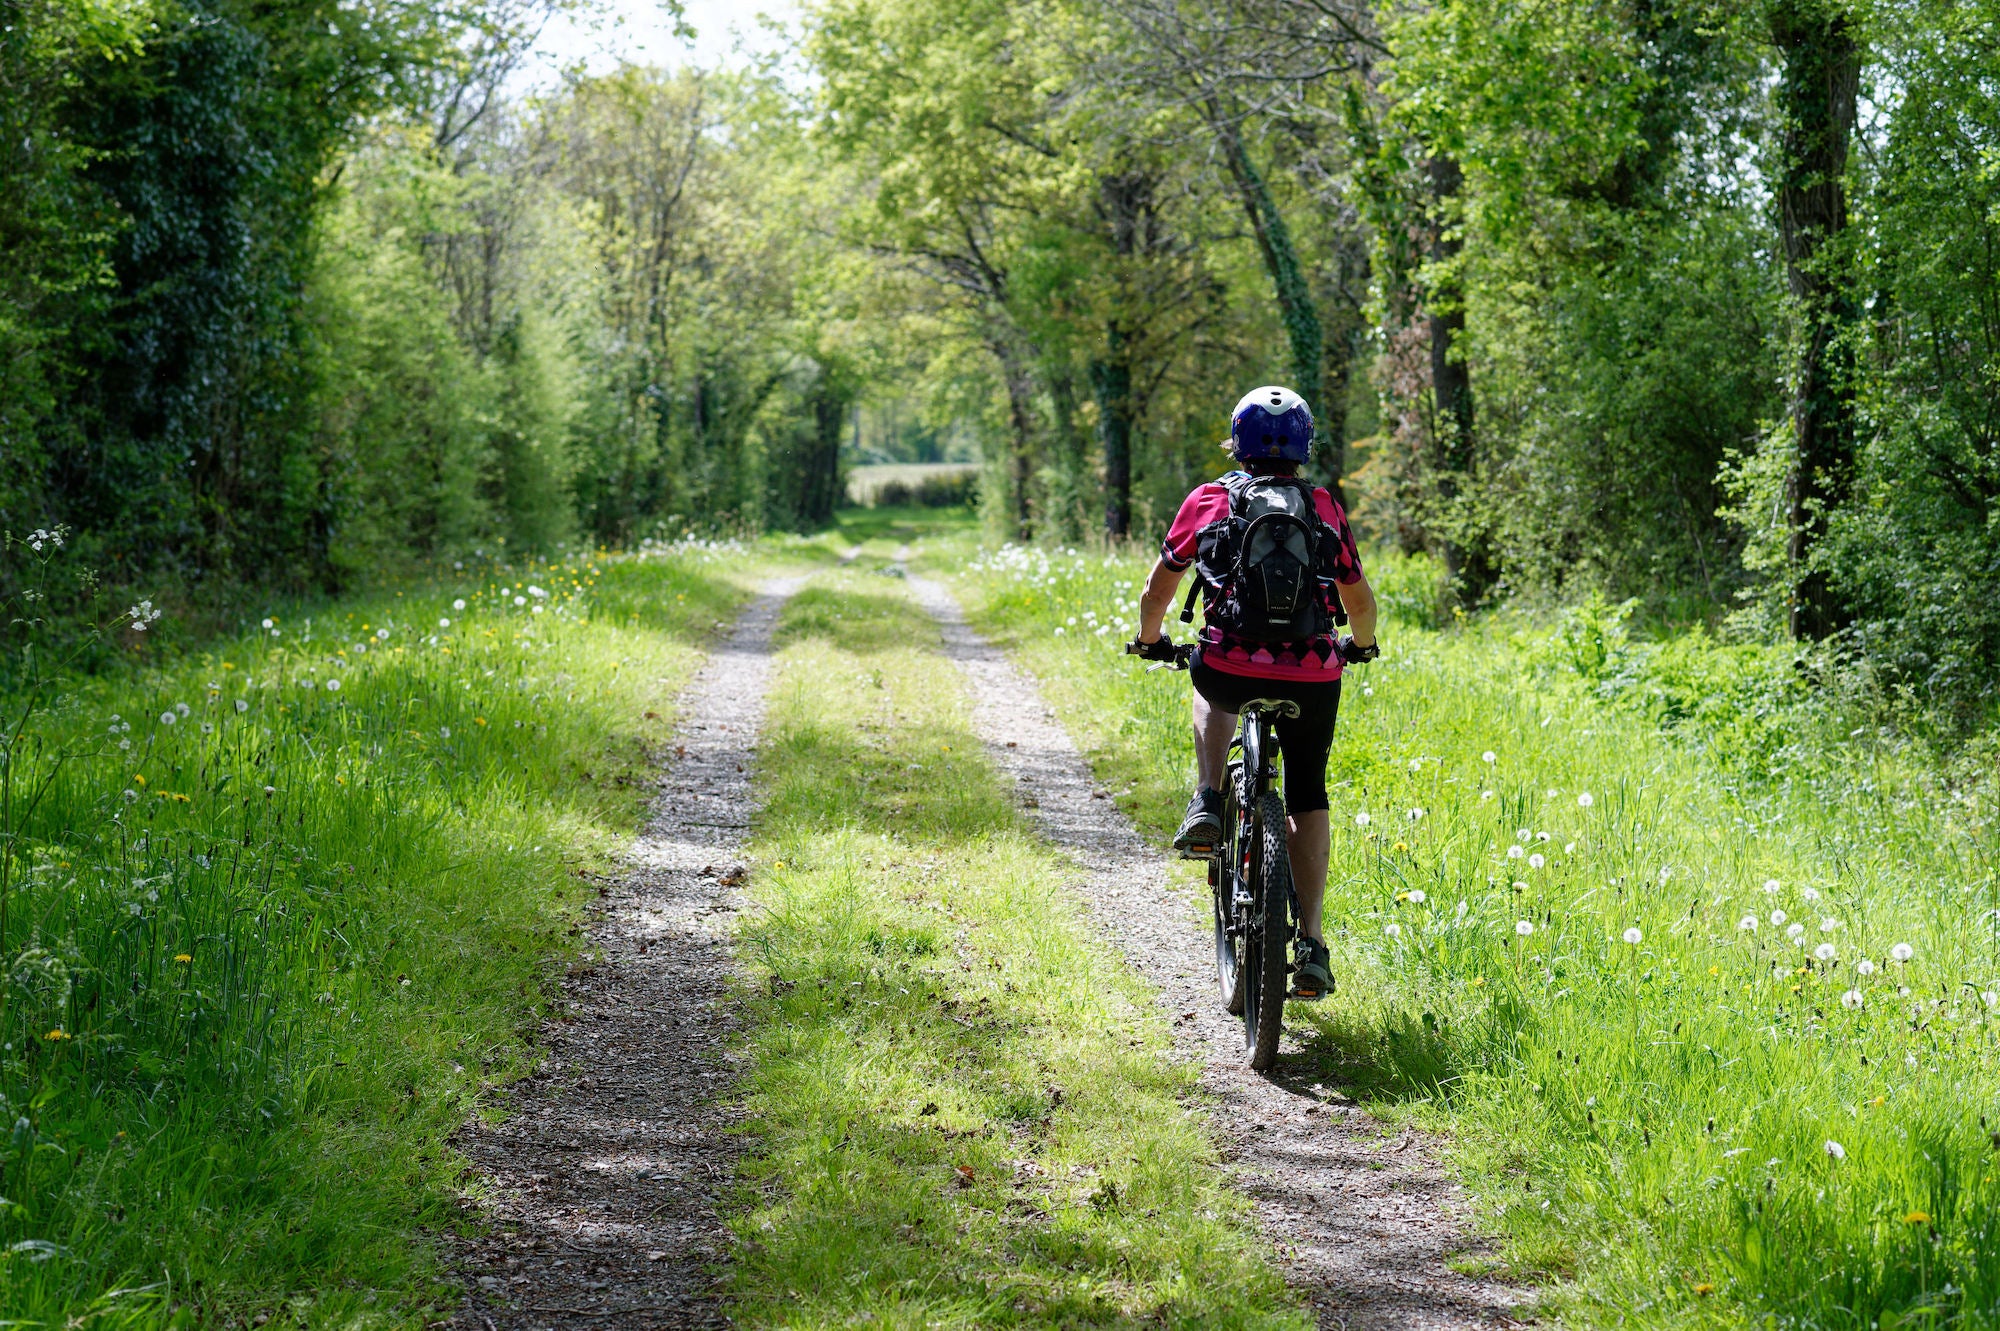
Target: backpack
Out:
[1266,571]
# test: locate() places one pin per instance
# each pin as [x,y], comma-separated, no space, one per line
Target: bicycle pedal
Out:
[1305,996]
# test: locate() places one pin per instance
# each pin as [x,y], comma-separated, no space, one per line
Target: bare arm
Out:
[1358,599]
[1158,598]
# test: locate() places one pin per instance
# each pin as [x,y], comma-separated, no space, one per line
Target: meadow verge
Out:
[287,913]
[960,1117]
[1709,1049]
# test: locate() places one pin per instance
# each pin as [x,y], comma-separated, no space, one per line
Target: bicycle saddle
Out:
[1284,707]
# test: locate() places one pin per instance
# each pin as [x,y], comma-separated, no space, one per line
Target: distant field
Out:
[866,482]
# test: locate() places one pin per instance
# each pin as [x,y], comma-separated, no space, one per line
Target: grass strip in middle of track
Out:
[962,1111]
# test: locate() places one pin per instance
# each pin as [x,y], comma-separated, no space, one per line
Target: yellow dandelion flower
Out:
[1704,1289]
[183,958]
[138,780]
[1917,1218]
[57,1034]
[478,720]
[1402,845]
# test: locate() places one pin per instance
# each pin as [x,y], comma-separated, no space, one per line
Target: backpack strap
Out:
[1187,606]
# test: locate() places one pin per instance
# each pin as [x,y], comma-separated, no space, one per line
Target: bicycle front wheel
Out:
[1268,934]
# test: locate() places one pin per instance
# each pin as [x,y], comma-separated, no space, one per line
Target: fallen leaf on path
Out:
[964,1176]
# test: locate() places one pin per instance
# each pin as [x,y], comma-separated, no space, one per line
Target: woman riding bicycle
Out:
[1270,435]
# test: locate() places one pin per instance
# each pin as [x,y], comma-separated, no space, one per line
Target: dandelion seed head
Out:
[1489,757]
[1825,952]
[1516,852]
[1771,884]
[1809,894]
[1902,952]
[1864,967]
[1851,1000]
[1836,1150]
[1485,795]
[1536,861]
[1795,931]
[381,635]
[333,686]
[444,623]
[1393,929]
[268,624]
[242,706]
[1524,927]
[1417,897]
[459,604]
[1748,924]
[182,708]
[1634,937]
[1584,801]
[168,718]
[1361,819]
[1778,917]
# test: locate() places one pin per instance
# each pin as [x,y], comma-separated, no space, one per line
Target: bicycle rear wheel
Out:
[1265,977]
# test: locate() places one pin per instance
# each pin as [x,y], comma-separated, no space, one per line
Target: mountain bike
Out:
[1249,873]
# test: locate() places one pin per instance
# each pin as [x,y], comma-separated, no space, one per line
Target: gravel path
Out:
[599,1189]
[1363,1224]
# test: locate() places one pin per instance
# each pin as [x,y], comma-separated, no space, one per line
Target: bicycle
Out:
[1249,871]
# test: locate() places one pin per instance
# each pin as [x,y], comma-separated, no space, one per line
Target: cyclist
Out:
[1270,434]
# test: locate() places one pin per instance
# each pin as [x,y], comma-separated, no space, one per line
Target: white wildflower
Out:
[1825,952]
[1902,952]
[1524,927]
[1489,757]
[1748,924]
[1584,801]
[1393,929]
[1537,861]
[1864,967]
[1836,1150]
[1634,937]
[1851,1000]
[1778,917]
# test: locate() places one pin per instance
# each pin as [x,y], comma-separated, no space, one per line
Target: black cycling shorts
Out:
[1305,739]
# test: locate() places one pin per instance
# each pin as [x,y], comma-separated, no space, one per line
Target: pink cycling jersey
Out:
[1312,659]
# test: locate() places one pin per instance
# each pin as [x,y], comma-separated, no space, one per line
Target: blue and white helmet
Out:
[1271,422]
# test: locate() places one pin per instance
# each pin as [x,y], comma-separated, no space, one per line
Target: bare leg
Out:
[1309,836]
[1213,729]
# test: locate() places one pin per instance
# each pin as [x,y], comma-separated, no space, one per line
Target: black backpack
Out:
[1266,571]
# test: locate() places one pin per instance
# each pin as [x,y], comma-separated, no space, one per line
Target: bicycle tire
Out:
[1268,973]
[1222,872]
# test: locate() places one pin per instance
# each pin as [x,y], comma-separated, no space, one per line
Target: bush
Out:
[939,490]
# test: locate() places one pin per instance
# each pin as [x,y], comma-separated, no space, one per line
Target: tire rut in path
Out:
[1365,1244]
[600,1188]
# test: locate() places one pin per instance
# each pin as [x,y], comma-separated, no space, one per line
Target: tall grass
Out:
[1712,1019]
[283,917]
[962,1108]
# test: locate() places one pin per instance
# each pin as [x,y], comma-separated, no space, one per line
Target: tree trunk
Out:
[819,467]
[1816,100]
[1111,383]
[1021,420]
[1288,282]
[1073,481]
[1466,567]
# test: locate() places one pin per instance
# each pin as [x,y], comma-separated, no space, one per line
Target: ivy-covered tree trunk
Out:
[1111,382]
[1019,383]
[1816,103]
[1467,569]
[1288,281]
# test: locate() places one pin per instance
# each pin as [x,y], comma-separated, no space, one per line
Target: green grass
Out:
[1645,1124]
[268,955]
[962,1115]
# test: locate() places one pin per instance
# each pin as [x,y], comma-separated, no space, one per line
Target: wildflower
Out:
[1824,952]
[1416,764]
[1828,925]
[124,743]
[1520,887]
[381,635]
[1902,952]
[143,616]
[1489,757]
[1851,1000]
[444,732]
[57,1034]
[183,958]
[1393,929]
[1584,801]
[538,610]
[207,728]
[1836,1150]
[522,600]
[1809,894]
[1988,997]
[478,720]
[242,706]
[1917,1218]
[130,795]
[1748,924]
[458,604]
[1778,917]
[1402,845]
[1524,927]
[1416,815]
[1634,937]
[1864,967]
[1666,872]
[1361,819]
[1795,932]
[444,623]
[182,708]
[1522,834]
[333,686]
[1485,795]
[1536,861]
[270,791]
[1515,852]
[168,718]
[268,623]
[1417,897]
[1770,884]
[1704,1289]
